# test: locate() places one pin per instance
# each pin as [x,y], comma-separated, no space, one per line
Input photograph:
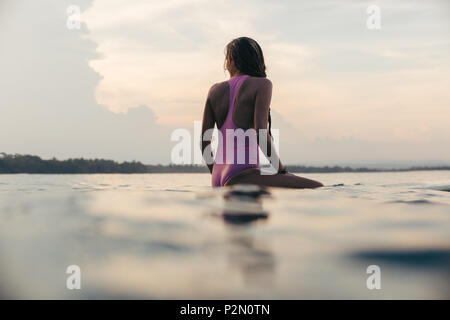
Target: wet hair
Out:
[248,59]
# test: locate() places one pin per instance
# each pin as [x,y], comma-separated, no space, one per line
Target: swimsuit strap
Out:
[235,84]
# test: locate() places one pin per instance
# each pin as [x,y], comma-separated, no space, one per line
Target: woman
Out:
[242,103]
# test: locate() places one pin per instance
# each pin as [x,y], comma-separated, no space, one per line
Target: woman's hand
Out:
[282,169]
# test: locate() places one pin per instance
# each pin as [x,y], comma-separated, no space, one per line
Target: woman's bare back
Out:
[251,109]
[244,109]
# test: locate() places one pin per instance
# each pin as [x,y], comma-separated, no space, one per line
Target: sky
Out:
[136,70]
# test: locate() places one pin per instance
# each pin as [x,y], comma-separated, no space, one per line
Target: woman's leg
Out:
[287,180]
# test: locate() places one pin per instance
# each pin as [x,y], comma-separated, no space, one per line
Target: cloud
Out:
[137,69]
[167,55]
[48,106]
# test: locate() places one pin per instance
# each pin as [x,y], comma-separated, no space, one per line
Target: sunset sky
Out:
[137,69]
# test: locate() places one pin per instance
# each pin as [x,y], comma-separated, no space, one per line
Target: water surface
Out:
[168,236]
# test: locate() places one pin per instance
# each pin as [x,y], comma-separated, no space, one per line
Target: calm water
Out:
[166,236]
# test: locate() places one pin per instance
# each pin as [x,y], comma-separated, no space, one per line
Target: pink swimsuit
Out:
[224,165]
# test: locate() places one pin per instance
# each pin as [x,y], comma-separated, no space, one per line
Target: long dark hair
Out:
[248,59]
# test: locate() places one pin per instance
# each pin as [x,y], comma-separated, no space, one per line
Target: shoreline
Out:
[30,164]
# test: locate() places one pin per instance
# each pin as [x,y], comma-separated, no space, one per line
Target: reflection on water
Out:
[243,205]
[171,236]
[253,258]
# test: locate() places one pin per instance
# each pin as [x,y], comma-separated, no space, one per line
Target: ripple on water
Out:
[445,188]
[418,201]
[433,258]
[338,185]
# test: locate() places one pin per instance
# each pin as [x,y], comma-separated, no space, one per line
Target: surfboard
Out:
[242,203]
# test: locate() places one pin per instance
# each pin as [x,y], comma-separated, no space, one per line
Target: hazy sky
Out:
[137,69]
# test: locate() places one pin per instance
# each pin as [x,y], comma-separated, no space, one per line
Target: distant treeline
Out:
[33,164]
[325,169]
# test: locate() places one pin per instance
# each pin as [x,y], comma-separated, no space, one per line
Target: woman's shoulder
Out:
[219,85]
[218,88]
[260,81]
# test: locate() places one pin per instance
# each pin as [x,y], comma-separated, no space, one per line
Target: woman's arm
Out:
[207,130]
[262,105]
